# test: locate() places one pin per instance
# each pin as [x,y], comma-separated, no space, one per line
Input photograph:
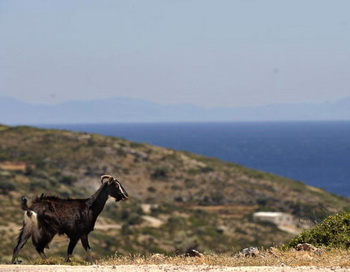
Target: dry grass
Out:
[274,257]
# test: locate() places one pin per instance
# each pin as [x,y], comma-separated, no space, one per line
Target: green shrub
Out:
[29,171]
[333,232]
[121,152]
[7,186]
[67,180]
[178,199]
[38,184]
[4,156]
[136,145]
[176,220]
[207,169]
[175,187]
[134,219]
[160,173]
[131,218]
[151,189]
[189,183]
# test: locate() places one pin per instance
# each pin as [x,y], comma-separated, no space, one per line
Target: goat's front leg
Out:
[85,243]
[72,243]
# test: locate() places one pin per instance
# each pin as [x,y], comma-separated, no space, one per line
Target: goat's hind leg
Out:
[22,239]
[40,249]
[41,241]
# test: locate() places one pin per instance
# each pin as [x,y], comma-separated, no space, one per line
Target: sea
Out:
[316,153]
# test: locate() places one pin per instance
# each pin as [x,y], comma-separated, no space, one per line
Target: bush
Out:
[151,189]
[178,199]
[160,173]
[67,180]
[131,218]
[6,186]
[175,187]
[189,183]
[29,171]
[35,185]
[207,169]
[134,219]
[333,232]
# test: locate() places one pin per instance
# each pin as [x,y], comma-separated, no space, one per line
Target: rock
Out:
[249,252]
[306,247]
[221,229]
[158,257]
[193,253]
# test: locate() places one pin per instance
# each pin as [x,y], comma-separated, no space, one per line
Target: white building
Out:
[278,218]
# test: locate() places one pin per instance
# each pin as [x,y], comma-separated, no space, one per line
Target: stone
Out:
[249,252]
[158,257]
[306,247]
[193,253]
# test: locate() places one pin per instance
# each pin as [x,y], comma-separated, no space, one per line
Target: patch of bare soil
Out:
[13,166]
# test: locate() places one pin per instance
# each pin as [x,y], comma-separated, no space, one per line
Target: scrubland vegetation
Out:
[178,201]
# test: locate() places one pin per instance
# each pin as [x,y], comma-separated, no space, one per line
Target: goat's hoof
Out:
[67,259]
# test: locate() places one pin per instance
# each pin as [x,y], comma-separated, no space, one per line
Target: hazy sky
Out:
[208,53]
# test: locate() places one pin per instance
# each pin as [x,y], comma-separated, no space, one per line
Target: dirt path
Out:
[161,268]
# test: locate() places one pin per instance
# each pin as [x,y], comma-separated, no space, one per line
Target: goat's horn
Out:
[106,177]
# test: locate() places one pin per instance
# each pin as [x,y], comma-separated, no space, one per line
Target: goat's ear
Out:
[111,180]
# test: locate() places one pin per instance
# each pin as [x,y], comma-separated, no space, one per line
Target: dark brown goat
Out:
[48,216]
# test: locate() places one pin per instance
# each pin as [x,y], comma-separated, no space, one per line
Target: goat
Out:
[50,215]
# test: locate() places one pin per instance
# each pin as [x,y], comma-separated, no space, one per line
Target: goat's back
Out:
[62,216]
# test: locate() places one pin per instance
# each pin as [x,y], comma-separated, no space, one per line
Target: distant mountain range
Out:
[121,109]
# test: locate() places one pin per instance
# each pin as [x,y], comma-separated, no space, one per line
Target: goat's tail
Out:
[24,205]
[30,227]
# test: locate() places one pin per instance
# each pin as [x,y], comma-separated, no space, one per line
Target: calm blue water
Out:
[317,153]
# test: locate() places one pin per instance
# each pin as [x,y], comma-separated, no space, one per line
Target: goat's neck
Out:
[98,200]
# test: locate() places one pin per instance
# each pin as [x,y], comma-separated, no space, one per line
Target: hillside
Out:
[178,200]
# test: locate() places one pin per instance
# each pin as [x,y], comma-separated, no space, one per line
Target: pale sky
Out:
[204,52]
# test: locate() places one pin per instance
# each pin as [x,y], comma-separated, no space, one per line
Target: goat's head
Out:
[115,189]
